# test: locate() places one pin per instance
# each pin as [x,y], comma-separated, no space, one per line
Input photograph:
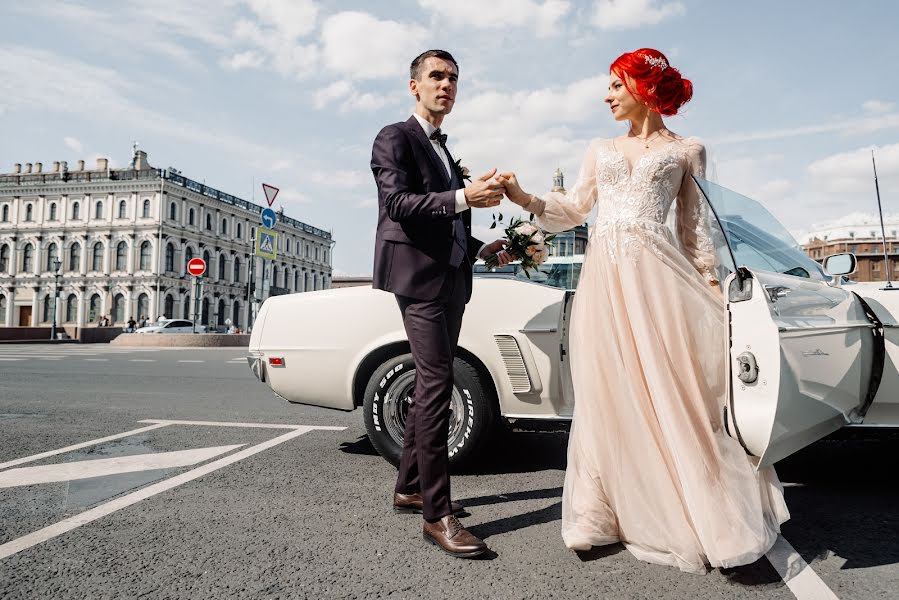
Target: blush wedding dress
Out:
[649,462]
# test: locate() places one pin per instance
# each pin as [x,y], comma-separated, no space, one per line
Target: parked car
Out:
[172,326]
[807,356]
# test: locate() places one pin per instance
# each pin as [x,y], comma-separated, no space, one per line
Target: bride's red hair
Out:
[647,75]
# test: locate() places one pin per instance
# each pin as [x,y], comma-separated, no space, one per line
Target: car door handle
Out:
[777,291]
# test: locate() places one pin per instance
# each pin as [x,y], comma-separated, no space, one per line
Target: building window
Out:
[204,316]
[224,226]
[146,212]
[97,258]
[5,217]
[307,250]
[75,257]
[4,258]
[53,211]
[185,311]
[206,258]
[274,275]
[220,318]
[98,210]
[188,254]
[875,266]
[190,217]
[852,234]
[296,281]
[173,211]
[2,309]
[221,266]
[168,307]
[235,314]
[121,253]
[27,258]
[52,256]
[239,231]
[288,245]
[45,312]
[236,269]
[209,222]
[71,308]
[118,308]
[93,312]
[29,213]
[76,211]
[123,209]
[145,256]
[252,233]
[316,253]
[169,263]
[143,306]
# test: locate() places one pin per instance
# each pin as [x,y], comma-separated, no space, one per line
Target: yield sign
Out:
[270,192]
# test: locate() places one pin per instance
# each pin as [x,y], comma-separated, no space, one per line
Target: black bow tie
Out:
[437,135]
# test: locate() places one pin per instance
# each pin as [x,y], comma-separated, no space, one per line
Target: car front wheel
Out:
[388,397]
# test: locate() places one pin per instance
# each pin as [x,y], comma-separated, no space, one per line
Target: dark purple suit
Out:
[414,249]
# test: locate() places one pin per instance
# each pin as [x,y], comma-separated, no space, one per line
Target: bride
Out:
[649,463]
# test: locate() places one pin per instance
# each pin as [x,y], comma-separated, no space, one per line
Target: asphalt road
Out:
[288,512]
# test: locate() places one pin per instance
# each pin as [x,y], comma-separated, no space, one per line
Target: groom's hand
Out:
[484,192]
[513,189]
[497,247]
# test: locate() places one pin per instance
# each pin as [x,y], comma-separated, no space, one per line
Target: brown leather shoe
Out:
[412,504]
[449,534]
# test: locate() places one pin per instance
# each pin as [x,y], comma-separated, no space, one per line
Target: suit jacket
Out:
[416,209]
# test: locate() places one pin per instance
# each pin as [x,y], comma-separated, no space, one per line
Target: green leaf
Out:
[493,226]
[531,219]
[500,216]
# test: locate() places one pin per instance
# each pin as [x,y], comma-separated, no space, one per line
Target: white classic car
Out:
[172,326]
[807,355]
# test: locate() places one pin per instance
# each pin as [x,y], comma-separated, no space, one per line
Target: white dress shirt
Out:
[461,202]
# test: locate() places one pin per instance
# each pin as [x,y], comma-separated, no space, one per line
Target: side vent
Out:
[514,363]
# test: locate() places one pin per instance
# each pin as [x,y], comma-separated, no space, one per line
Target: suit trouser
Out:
[432,327]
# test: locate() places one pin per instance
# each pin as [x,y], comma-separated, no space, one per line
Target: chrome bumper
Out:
[257,365]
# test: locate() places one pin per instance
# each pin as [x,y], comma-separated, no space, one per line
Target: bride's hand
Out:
[513,189]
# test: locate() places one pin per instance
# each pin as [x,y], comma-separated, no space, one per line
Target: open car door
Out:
[805,356]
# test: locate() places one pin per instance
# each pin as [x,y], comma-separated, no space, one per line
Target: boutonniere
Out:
[463,170]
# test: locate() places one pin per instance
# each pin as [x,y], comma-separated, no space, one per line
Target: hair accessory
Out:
[656,61]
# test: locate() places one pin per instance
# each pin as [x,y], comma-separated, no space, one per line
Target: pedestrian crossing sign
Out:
[266,243]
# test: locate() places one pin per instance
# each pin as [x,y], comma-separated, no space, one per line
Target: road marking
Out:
[191,361]
[75,521]
[84,469]
[118,436]
[142,360]
[97,359]
[161,422]
[796,573]
[11,359]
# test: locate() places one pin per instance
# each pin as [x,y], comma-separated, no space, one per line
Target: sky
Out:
[789,97]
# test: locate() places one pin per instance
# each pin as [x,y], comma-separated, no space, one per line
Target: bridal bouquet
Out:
[526,243]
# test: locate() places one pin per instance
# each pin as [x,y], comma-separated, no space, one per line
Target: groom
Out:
[424,251]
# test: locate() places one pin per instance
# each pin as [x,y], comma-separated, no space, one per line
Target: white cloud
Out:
[291,196]
[357,45]
[347,98]
[73,144]
[281,51]
[243,60]
[499,14]
[631,14]
[290,18]
[850,172]
[878,107]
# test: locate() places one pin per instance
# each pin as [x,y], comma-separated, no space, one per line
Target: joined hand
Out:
[484,192]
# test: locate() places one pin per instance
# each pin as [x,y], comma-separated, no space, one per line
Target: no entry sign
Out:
[196,266]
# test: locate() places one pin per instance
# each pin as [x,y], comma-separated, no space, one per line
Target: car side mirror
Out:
[840,264]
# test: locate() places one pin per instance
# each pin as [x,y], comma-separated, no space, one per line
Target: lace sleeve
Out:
[693,226]
[557,211]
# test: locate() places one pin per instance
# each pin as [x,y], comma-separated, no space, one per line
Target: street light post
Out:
[56,265]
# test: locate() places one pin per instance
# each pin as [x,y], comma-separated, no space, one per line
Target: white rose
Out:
[537,237]
[526,229]
[541,256]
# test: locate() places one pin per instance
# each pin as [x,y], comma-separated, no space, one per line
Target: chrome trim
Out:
[539,330]
[257,366]
[828,327]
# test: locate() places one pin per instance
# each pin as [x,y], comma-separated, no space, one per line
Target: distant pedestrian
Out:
[132,325]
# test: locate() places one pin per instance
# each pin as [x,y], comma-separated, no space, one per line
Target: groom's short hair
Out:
[415,67]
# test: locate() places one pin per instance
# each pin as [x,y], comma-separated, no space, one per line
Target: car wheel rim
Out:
[396,407]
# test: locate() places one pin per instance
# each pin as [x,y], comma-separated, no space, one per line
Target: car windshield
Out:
[756,239]
[563,275]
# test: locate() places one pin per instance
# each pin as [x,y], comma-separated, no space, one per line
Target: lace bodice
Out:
[632,201]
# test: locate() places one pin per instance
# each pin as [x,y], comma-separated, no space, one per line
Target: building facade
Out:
[122,239]
[573,241]
[860,235]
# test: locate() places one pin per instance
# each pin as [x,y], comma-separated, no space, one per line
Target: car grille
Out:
[514,363]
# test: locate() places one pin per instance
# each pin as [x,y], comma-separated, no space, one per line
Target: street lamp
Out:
[56,264]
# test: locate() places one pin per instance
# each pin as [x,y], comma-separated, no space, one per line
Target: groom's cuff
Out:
[480,250]
[461,202]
